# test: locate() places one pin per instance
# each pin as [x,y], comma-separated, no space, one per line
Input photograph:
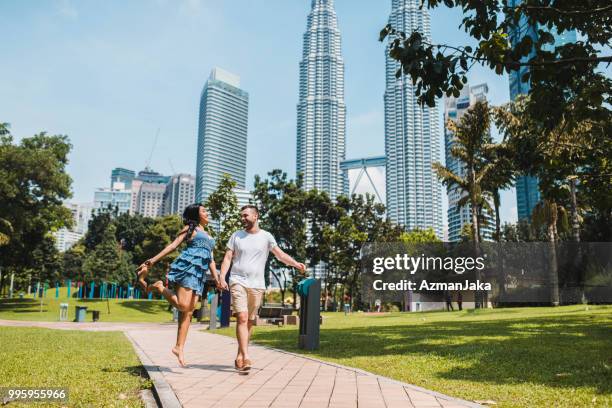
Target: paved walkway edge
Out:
[164,395]
[358,370]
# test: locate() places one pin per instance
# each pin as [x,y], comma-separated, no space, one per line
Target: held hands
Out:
[300,267]
[221,284]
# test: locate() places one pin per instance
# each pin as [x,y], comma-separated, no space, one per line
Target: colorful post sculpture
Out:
[68,285]
[91,290]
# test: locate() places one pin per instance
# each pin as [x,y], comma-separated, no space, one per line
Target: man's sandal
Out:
[238,364]
[246,365]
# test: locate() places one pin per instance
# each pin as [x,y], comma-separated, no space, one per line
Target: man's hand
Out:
[301,267]
[222,285]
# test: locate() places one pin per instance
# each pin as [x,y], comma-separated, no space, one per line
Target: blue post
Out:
[80,290]
[69,286]
[129,291]
[150,295]
[91,290]
[56,290]
[120,292]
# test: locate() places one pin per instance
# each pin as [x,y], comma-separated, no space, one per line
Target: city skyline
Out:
[169,87]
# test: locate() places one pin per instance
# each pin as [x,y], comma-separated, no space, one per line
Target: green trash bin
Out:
[80,313]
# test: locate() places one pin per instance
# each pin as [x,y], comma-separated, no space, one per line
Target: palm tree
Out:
[547,213]
[471,136]
[500,176]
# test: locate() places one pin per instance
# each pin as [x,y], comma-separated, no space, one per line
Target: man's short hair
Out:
[250,207]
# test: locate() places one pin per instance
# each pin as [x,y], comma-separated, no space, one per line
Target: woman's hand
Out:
[221,285]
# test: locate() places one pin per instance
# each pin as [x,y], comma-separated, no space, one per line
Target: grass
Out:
[100,369]
[121,310]
[520,357]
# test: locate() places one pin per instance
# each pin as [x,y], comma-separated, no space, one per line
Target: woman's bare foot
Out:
[142,275]
[179,354]
[157,287]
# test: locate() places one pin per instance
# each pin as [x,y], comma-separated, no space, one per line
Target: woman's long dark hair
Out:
[191,217]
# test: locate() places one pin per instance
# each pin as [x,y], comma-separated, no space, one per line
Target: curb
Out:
[164,395]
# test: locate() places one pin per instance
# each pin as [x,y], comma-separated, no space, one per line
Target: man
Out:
[248,249]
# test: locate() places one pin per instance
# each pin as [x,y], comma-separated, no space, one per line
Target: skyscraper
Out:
[527,188]
[321,112]
[180,192]
[412,136]
[460,216]
[222,133]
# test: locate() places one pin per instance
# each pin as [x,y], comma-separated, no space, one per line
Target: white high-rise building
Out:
[150,199]
[180,192]
[321,112]
[454,109]
[412,136]
[66,238]
[222,133]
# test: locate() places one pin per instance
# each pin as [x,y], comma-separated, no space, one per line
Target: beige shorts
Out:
[246,299]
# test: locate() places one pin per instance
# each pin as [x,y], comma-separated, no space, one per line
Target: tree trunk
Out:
[575,224]
[553,273]
[496,203]
[473,205]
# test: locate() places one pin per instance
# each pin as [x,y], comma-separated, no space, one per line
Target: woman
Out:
[187,272]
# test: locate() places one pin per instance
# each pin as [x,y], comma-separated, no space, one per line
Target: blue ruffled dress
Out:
[189,269]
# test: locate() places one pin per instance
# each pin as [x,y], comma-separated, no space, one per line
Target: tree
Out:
[549,214]
[33,185]
[573,160]
[222,205]
[438,69]
[160,234]
[98,224]
[72,261]
[501,175]
[107,262]
[281,204]
[470,138]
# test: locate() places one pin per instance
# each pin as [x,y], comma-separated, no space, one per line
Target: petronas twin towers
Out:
[412,133]
[321,113]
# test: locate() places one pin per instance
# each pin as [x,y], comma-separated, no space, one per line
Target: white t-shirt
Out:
[250,255]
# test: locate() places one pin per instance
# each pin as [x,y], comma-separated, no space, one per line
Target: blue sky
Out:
[109,74]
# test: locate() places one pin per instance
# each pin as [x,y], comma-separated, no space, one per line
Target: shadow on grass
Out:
[144,306]
[565,352]
[14,305]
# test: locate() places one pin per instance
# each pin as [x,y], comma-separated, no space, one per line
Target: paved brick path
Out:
[277,379]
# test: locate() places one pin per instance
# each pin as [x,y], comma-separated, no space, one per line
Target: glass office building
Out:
[222,133]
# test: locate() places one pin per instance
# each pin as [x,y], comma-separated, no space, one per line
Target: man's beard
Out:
[248,224]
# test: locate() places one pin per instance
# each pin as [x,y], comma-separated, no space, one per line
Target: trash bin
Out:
[95,315]
[310,312]
[63,312]
[80,313]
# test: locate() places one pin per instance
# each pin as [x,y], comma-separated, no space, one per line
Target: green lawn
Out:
[100,369]
[121,310]
[522,357]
